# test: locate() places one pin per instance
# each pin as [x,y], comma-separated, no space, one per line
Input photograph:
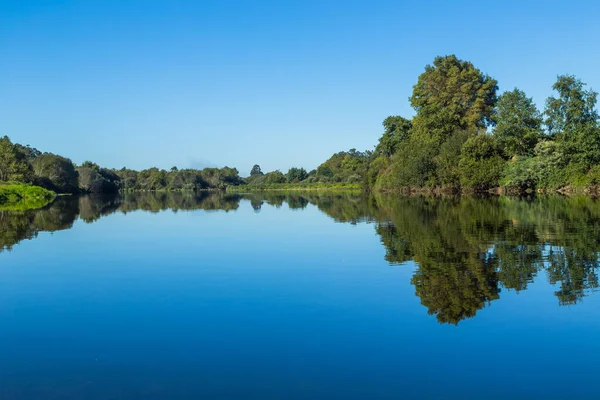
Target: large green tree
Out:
[519,123]
[481,163]
[13,163]
[572,120]
[573,108]
[396,130]
[452,94]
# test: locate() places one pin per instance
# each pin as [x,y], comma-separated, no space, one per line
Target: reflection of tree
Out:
[466,247]
[456,274]
[397,248]
[256,203]
[347,206]
[20,225]
[297,202]
[576,273]
[517,264]
[93,207]
[454,286]
[161,201]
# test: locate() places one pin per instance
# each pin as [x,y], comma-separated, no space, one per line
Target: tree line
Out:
[463,136]
[26,164]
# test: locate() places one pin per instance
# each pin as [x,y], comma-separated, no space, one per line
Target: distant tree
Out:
[324,171]
[519,123]
[256,170]
[346,166]
[94,179]
[55,173]
[275,177]
[129,178]
[296,174]
[229,176]
[29,152]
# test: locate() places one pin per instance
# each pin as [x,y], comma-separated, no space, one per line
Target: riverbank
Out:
[20,197]
[294,187]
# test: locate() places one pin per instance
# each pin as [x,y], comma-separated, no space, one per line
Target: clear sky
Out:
[279,83]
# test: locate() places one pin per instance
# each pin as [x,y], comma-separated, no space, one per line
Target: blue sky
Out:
[279,83]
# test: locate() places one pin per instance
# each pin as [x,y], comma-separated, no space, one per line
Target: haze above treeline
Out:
[463,136]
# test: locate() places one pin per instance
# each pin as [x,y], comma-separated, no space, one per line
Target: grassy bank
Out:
[18,196]
[294,186]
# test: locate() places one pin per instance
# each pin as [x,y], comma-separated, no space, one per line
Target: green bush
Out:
[16,196]
[520,174]
[480,164]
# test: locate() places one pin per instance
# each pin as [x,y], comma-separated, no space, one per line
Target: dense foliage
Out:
[18,196]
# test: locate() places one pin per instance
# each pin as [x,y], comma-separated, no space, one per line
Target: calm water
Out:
[281,296]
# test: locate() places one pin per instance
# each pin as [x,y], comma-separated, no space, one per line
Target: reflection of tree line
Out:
[466,249]
[20,225]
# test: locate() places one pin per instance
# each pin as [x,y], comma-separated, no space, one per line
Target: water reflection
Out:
[467,250]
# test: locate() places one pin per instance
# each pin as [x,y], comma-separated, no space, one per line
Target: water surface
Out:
[316,295]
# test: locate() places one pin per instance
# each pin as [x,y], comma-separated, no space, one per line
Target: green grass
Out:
[20,197]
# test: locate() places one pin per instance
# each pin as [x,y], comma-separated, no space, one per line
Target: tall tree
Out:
[396,131]
[13,163]
[519,123]
[256,170]
[574,107]
[573,120]
[452,94]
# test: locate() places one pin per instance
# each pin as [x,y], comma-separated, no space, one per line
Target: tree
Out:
[55,173]
[480,164]
[447,160]
[452,95]
[346,166]
[519,174]
[414,166]
[29,152]
[274,177]
[573,108]
[518,127]
[229,176]
[256,170]
[572,120]
[94,179]
[13,163]
[396,131]
[296,174]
